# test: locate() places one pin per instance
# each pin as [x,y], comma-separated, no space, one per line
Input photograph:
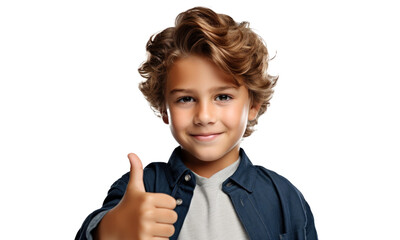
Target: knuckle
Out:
[144,209]
[147,214]
[145,199]
[149,198]
[145,227]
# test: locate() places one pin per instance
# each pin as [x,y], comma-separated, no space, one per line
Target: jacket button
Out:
[179,201]
[188,177]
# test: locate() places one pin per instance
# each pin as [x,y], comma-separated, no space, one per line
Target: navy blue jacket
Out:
[267,204]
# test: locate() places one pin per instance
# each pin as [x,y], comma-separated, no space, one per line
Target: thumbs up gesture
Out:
[139,215]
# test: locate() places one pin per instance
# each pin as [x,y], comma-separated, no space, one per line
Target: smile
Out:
[205,137]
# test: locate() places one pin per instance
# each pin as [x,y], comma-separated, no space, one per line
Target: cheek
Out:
[179,119]
[236,117]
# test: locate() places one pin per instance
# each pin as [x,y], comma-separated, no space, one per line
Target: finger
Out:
[136,174]
[162,230]
[162,200]
[163,215]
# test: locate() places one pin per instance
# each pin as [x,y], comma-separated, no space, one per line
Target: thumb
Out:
[136,174]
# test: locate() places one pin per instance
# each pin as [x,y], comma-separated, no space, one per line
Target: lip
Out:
[205,137]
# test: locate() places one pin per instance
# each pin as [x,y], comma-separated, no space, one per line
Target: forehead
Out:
[197,71]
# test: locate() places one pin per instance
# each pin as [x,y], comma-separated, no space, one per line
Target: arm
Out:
[311,232]
[114,196]
[132,213]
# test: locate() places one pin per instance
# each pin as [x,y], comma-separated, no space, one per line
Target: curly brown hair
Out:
[232,46]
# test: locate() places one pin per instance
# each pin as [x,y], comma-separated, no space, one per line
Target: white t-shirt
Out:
[211,213]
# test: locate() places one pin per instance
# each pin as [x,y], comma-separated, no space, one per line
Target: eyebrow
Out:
[217,89]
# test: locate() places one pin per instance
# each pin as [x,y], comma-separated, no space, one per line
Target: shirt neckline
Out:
[245,175]
[219,177]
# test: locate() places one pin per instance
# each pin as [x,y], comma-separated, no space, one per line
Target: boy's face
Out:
[206,111]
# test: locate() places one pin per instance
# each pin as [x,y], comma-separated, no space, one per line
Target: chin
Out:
[206,154]
[207,157]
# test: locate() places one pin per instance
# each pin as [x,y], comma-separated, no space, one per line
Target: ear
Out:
[254,109]
[165,117]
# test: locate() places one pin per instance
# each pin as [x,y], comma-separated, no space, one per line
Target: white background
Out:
[70,109]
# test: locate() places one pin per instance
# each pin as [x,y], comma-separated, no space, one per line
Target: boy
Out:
[207,79]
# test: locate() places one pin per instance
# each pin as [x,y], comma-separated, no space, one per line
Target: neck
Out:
[208,168]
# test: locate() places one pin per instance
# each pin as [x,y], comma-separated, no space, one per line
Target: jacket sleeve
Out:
[298,218]
[311,232]
[114,196]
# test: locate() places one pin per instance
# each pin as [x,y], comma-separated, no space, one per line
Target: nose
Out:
[205,113]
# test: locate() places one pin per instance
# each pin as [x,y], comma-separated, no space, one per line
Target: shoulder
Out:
[285,189]
[294,206]
[278,180]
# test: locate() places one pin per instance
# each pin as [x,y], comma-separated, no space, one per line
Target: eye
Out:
[185,99]
[223,97]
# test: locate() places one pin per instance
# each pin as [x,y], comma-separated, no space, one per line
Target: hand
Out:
[139,215]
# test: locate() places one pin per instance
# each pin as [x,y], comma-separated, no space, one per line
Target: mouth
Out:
[205,137]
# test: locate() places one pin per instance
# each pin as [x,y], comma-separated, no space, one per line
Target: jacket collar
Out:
[244,176]
[176,167]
